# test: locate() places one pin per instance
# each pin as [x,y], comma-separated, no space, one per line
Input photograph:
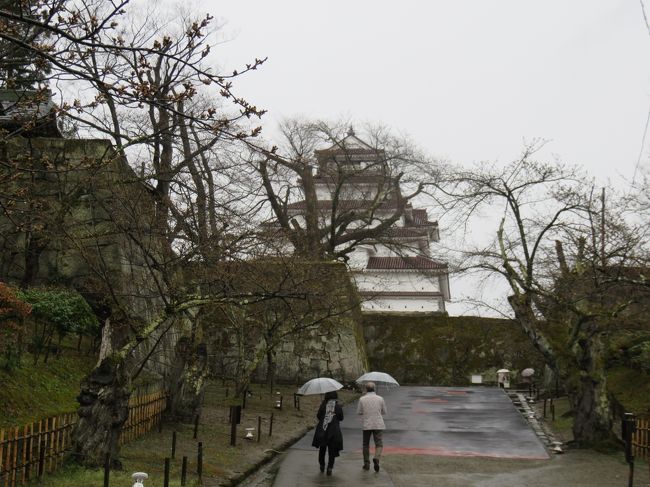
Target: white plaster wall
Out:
[347,192]
[404,304]
[325,217]
[359,258]
[374,281]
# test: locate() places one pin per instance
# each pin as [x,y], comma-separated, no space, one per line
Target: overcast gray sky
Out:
[469,80]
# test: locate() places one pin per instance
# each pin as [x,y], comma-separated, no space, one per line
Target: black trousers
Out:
[378,436]
[331,455]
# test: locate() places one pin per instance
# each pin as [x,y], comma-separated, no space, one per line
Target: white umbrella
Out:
[319,385]
[381,378]
[528,372]
[502,371]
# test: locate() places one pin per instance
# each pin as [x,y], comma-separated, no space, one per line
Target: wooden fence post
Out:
[2,463]
[107,469]
[166,474]
[23,455]
[14,447]
[41,458]
[233,426]
[199,462]
[184,471]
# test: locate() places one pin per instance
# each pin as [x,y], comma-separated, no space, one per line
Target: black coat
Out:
[332,436]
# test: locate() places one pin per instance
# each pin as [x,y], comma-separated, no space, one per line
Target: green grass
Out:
[631,388]
[563,424]
[33,392]
[221,461]
[73,476]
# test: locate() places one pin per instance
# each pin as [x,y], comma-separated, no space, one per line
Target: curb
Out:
[268,458]
[272,455]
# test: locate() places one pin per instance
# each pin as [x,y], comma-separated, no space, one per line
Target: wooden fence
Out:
[641,439]
[145,412]
[27,452]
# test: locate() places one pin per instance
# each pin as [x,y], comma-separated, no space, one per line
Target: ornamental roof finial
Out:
[351,131]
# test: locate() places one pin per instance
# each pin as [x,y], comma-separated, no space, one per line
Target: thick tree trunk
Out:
[582,369]
[592,422]
[587,388]
[270,368]
[188,382]
[103,409]
[33,250]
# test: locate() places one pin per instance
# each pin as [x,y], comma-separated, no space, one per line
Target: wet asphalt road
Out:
[447,421]
[439,421]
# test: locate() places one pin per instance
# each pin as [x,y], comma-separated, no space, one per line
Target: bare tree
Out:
[562,255]
[158,196]
[327,201]
[319,301]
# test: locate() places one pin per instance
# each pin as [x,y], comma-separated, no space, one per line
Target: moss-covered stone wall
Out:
[315,330]
[443,350]
[75,215]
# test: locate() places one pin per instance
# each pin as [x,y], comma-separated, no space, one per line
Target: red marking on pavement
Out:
[443,452]
[456,393]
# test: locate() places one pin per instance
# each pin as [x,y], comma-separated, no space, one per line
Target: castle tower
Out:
[396,271]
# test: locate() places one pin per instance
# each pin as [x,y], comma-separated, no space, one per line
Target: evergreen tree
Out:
[21,68]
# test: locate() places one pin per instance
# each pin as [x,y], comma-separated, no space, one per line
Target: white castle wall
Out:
[424,304]
[408,281]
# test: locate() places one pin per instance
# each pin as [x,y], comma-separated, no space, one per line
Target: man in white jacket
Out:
[372,407]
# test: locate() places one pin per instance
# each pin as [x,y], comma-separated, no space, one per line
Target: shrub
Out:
[60,312]
[13,312]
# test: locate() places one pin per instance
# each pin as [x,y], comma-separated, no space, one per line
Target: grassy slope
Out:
[631,388]
[37,391]
[222,463]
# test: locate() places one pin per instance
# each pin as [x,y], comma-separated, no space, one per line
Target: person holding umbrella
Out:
[328,436]
[372,407]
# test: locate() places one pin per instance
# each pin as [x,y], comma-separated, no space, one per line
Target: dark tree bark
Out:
[188,381]
[588,395]
[103,410]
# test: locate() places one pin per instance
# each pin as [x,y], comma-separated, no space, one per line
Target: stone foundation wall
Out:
[321,335]
[443,350]
[334,352]
[92,221]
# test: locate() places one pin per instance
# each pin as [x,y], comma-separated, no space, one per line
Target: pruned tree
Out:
[330,191]
[317,301]
[152,198]
[562,255]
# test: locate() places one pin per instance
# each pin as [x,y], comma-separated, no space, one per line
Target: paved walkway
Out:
[438,421]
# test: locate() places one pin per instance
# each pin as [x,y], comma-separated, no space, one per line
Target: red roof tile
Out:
[404,263]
